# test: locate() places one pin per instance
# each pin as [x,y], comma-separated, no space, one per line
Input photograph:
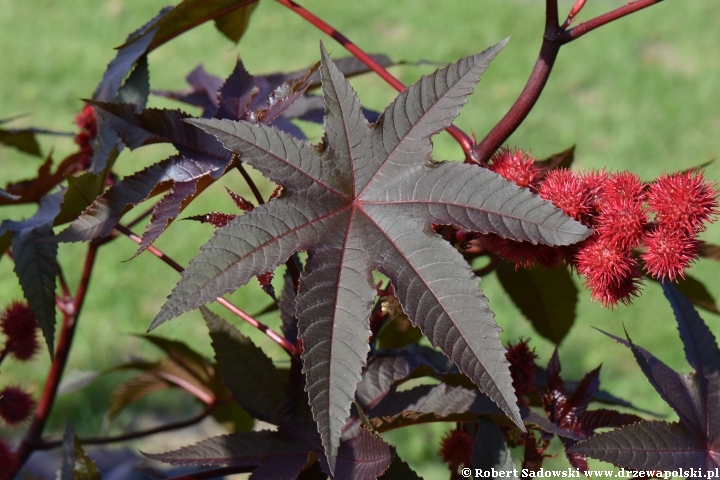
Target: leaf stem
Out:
[251,183]
[554,37]
[460,137]
[44,406]
[49,444]
[277,338]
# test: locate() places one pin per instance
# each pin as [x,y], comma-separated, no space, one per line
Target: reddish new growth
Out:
[657,223]
[456,449]
[88,131]
[19,325]
[515,165]
[522,367]
[8,462]
[15,405]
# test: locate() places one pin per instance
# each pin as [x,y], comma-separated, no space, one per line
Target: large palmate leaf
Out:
[694,442]
[365,200]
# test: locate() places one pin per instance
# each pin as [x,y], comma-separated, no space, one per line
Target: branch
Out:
[44,406]
[555,36]
[277,338]
[533,88]
[590,25]
[251,183]
[460,137]
[48,444]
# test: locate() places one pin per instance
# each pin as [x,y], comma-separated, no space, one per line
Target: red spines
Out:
[522,367]
[515,165]
[15,405]
[19,325]
[456,449]
[87,122]
[611,272]
[685,201]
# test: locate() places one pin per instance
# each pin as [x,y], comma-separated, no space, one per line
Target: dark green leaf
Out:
[246,370]
[24,140]
[136,89]
[490,450]
[76,465]
[546,296]
[399,470]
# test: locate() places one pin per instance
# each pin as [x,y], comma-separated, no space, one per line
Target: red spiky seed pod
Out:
[522,254]
[8,461]
[15,405]
[623,187]
[568,192]
[685,200]
[19,325]
[522,367]
[668,251]
[622,222]
[611,273]
[456,449]
[87,122]
[516,166]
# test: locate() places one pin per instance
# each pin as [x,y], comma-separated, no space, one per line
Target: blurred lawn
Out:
[640,94]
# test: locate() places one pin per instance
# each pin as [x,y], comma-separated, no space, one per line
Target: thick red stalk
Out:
[460,137]
[277,338]
[44,406]
[554,37]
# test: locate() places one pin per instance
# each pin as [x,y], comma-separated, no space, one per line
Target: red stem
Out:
[460,137]
[279,339]
[590,25]
[44,406]
[533,88]
[46,445]
[554,37]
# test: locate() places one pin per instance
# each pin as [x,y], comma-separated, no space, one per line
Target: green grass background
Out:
[641,94]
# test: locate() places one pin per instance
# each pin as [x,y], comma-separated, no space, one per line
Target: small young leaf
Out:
[76,465]
[547,297]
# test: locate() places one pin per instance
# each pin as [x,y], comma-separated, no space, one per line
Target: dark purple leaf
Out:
[675,388]
[710,251]
[34,189]
[701,349]
[167,209]
[246,370]
[490,450]
[36,262]
[22,139]
[562,159]
[235,94]
[366,203]
[289,467]
[429,403]
[216,219]
[238,450]
[389,368]
[105,212]
[649,446]
[286,304]
[170,22]
[584,392]
[399,470]
[133,390]
[203,92]
[363,457]
[136,89]
[547,297]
